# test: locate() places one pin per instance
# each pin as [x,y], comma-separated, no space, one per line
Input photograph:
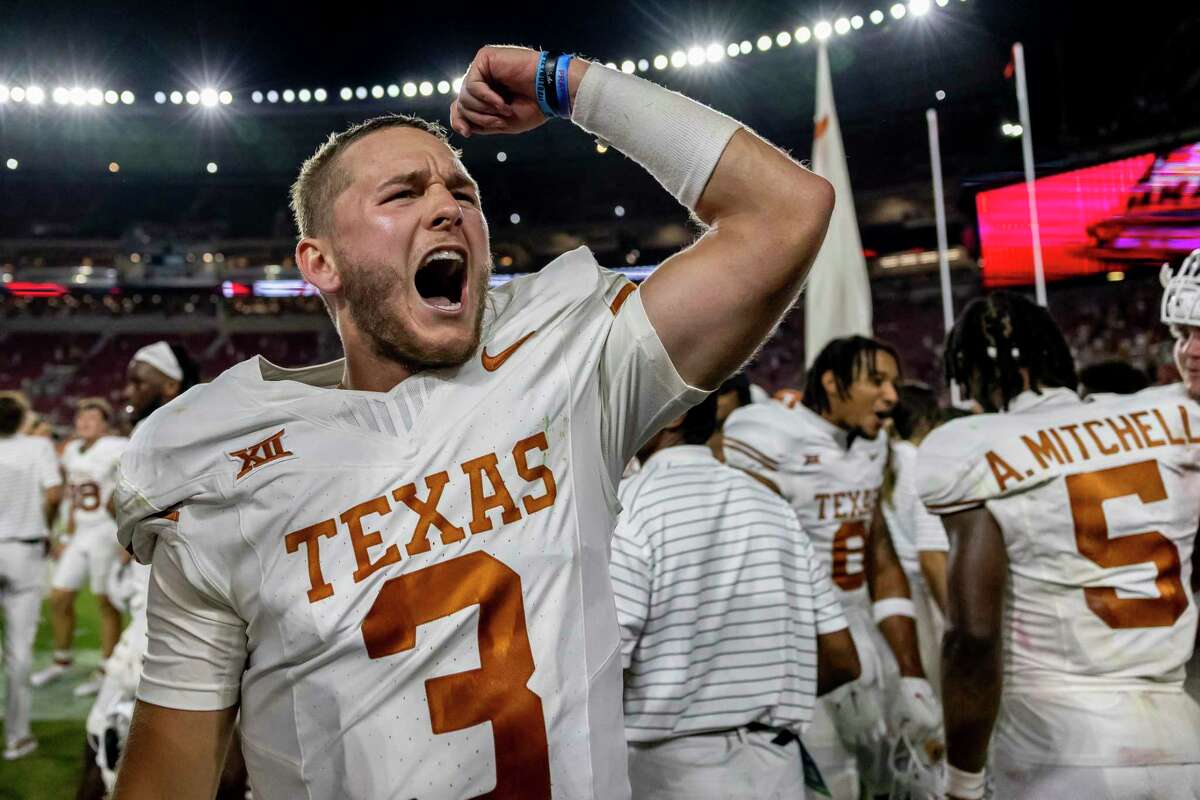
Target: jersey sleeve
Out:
[48,472]
[928,533]
[952,472]
[641,391]
[196,643]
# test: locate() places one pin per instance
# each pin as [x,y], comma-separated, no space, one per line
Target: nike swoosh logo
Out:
[493,363]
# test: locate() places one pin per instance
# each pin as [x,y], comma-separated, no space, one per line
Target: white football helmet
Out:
[918,772]
[1181,295]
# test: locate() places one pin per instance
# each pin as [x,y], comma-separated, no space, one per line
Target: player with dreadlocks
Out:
[1072,528]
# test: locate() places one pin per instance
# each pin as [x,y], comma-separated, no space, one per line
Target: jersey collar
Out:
[681,454]
[816,421]
[1047,398]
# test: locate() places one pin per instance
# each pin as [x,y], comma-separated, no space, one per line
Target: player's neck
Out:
[87,443]
[366,370]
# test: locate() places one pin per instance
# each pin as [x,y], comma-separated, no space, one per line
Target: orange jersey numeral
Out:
[849,556]
[497,691]
[1087,493]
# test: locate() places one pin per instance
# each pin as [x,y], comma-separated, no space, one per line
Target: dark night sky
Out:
[1102,81]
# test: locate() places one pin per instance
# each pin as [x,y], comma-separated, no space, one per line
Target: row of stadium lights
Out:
[694,56]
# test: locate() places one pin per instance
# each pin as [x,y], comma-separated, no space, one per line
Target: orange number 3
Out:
[1087,492]
[495,692]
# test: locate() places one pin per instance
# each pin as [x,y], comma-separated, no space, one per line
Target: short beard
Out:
[366,289]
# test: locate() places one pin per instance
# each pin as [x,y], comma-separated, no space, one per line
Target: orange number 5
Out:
[495,692]
[848,565]
[1087,492]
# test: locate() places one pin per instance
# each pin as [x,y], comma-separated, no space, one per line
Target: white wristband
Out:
[674,138]
[967,785]
[893,607]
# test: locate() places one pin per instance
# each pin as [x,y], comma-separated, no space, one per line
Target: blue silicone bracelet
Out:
[561,72]
[539,88]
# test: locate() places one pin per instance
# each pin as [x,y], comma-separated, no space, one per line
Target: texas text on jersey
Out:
[439,562]
[1098,504]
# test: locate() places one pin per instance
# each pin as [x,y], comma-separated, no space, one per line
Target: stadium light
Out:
[114,167]
[842,26]
[361,93]
[272,96]
[628,67]
[876,17]
[176,97]
[619,211]
[211,168]
[898,11]
[410,89]
[783,38]
[514,218]
[714,53]
[320,95]
[678,59]
[111,97]
[256,96]
[802,35]
[377,91]
[661,61]
[192,97]
[502,156]
[225,97]
[643,65]
[745,47]
[17,93]
[60,95]
[77,96]
[160,97]
[919,8]
[732,51]
[764,43]
[425,88]
[456,85]
[856,22]
[3,93]
[601,147]
[127,97]
[304,95]
[288,95]
[209,97]
[822,30]
[940,95]
[695,55]
[346,93]
[12,163]
[393,90]
[34,95]
[443,87]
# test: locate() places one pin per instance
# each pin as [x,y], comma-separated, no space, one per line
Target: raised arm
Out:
[713,303]
[972,677]
[173,754]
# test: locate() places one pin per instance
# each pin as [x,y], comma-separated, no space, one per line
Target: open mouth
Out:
[441,279]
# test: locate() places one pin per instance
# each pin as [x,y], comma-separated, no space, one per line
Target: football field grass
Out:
[52,771]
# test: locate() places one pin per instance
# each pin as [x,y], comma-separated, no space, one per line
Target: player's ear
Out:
[314,258]
[829,384]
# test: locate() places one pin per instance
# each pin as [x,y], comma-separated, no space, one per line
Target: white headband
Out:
[160,356]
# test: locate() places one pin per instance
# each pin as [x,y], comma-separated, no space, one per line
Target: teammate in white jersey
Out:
[375,557]
[822,448]
[1072,528]
[92,552]
[32,484]
[1181,311]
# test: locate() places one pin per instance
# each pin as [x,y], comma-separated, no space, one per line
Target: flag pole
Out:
[939,211]
[1039,274]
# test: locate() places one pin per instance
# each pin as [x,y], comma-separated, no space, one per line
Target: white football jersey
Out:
[409,590]
[1099,504]
[91,479]
[831,480]
[911,525]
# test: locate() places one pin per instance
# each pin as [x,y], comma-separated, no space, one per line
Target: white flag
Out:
[837,301]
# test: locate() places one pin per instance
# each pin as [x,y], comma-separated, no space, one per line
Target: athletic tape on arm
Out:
[674,138]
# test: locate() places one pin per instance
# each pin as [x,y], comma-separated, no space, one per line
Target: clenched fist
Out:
[497,94]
